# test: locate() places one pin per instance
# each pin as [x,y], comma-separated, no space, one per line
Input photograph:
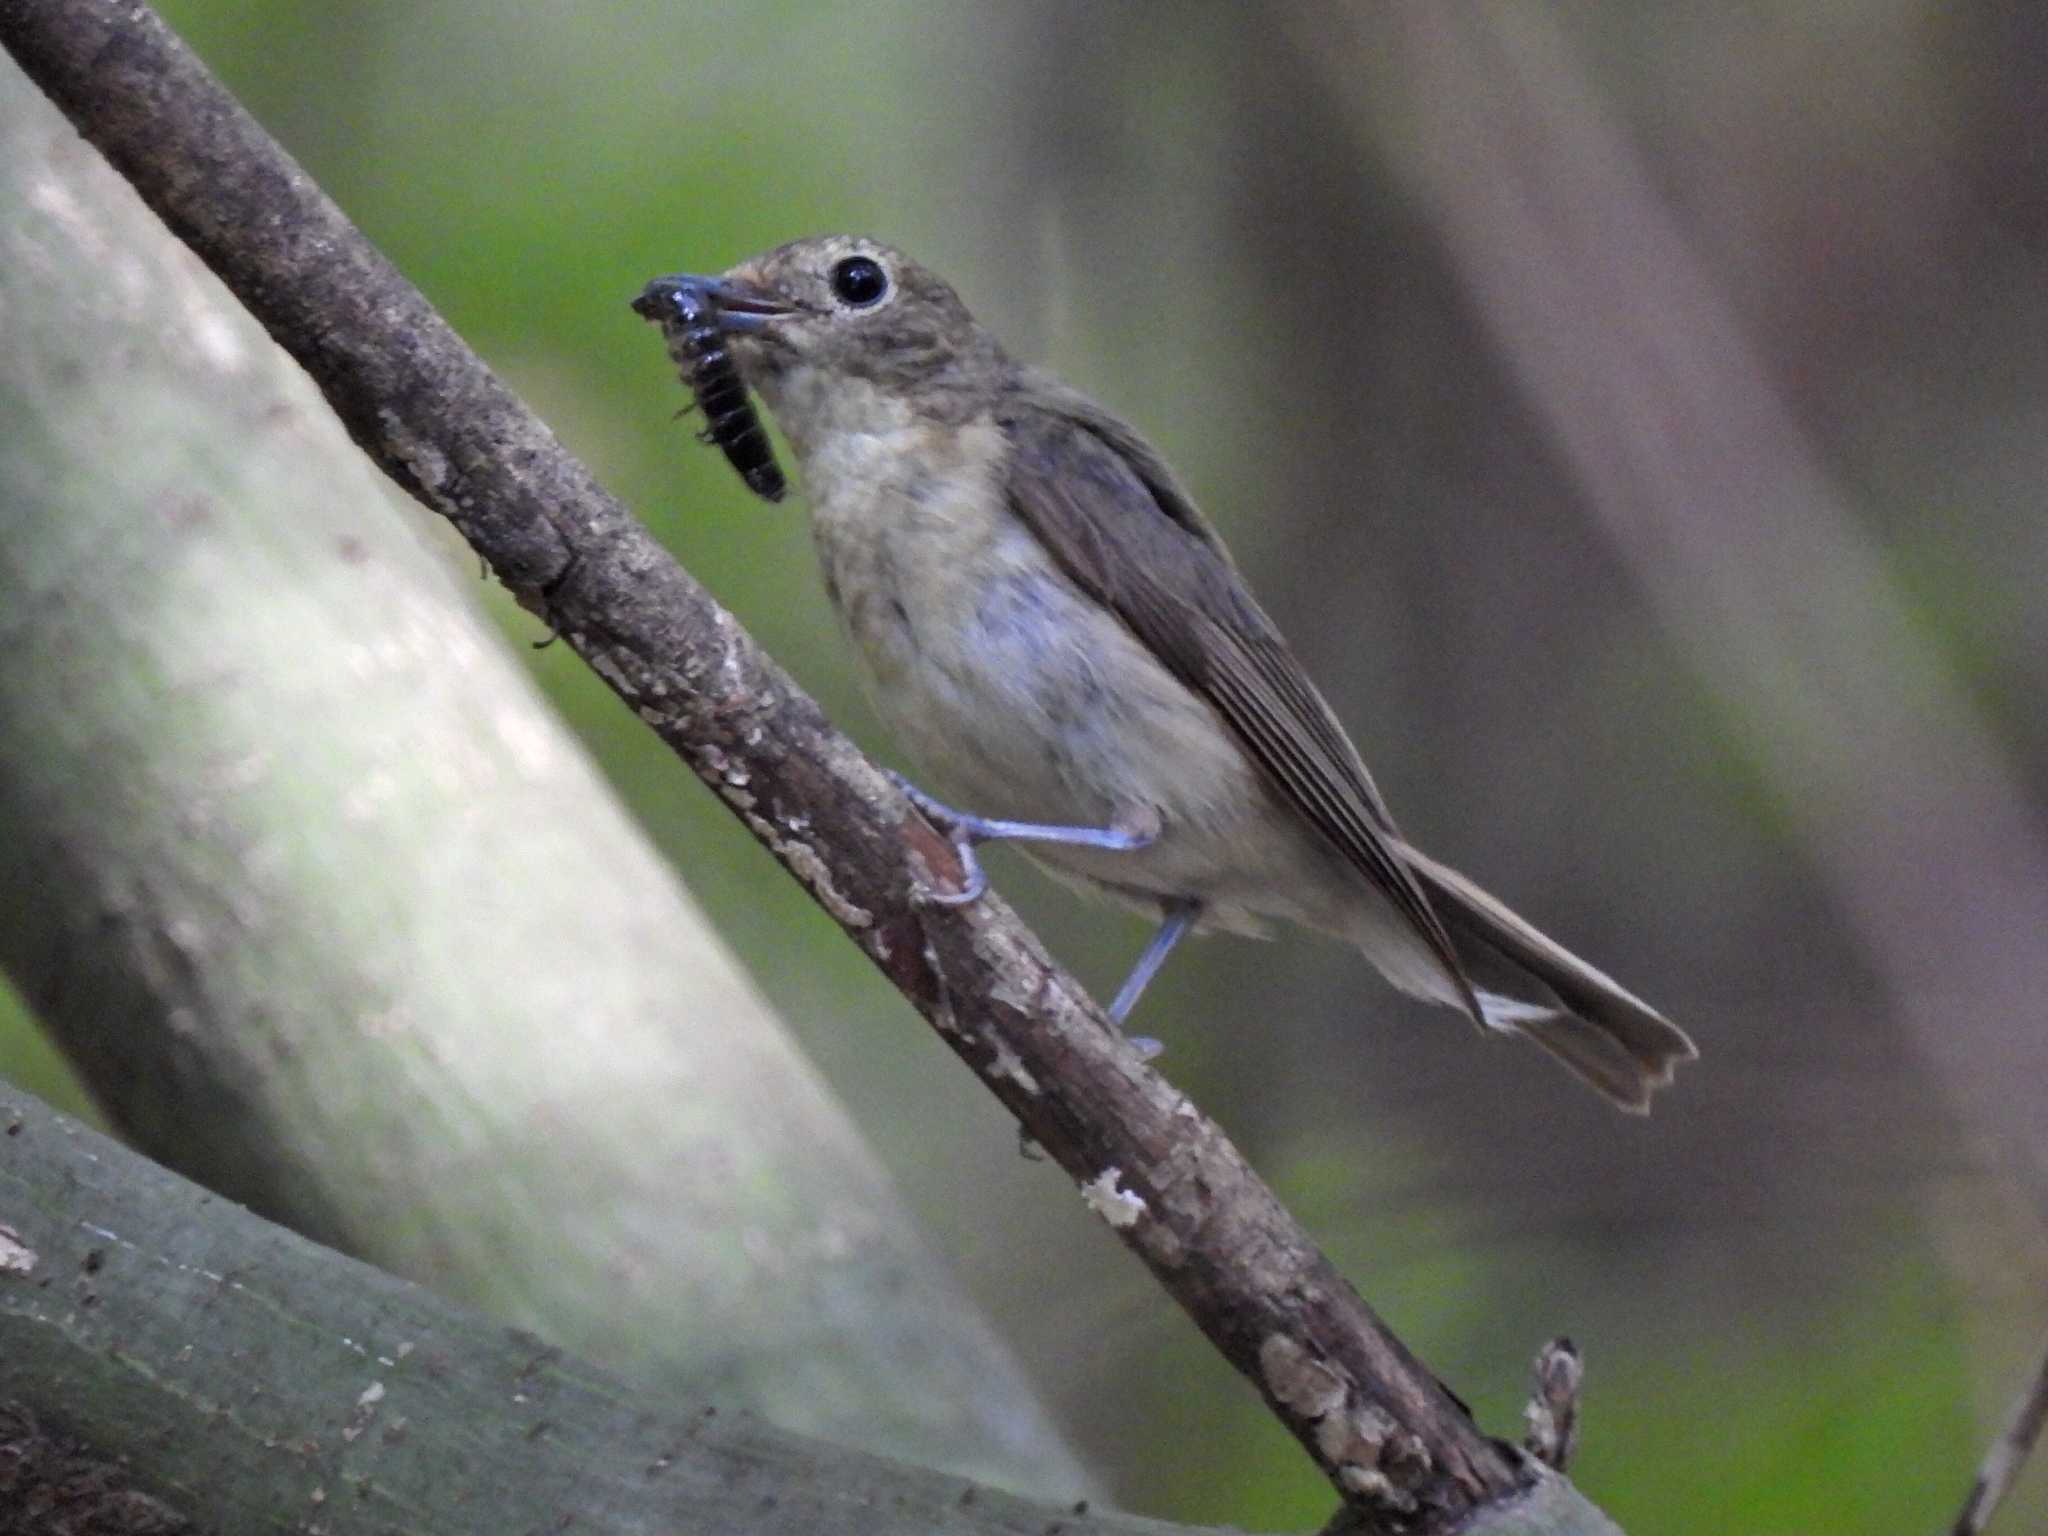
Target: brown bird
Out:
[1058,638]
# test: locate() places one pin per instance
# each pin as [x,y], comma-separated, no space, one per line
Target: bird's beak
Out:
[742,306]
[747,306]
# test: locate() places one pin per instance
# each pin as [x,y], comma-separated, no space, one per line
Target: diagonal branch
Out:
[1395,1443]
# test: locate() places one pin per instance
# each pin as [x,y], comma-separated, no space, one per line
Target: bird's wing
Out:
[1111,513]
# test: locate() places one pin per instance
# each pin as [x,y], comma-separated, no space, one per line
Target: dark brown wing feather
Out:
[1111,513]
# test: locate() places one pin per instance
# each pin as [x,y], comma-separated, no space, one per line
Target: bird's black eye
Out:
[860,281]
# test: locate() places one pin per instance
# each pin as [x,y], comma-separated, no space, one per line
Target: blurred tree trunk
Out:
[333,916]
[1701,475]
[253,1381]
[1711,491]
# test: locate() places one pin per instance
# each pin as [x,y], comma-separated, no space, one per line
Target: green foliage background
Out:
[1782,1307]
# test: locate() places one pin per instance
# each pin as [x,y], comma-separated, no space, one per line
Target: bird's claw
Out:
[975,888]
[950,823]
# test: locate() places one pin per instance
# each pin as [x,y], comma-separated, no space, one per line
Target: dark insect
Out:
[689,322]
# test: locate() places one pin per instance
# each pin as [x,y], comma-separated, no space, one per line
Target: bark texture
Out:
[182,1359]
[247,1380]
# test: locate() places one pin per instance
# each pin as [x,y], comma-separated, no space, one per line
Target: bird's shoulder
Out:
[1113,515]
[1054,428]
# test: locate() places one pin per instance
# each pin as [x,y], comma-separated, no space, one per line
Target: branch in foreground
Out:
[254,1381]
[54,1483]
[1398,1447]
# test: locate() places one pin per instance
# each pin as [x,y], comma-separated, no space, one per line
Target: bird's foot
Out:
[958,831]
[1180,917]
[1139,829]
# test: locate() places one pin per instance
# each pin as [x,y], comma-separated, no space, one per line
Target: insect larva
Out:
[689,322]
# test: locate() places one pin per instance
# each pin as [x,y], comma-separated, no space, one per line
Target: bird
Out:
[1061,643]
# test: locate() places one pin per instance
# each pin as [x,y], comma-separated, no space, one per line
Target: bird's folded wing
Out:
[1109,511]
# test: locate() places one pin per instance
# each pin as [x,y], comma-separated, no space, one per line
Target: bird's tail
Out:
[1612,1039]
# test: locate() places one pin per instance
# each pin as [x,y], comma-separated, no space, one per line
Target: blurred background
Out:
[1637,420]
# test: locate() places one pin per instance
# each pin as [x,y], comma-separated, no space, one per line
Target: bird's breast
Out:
[907,522]
[1012,691]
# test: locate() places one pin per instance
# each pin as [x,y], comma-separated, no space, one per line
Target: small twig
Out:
[2008,1453]
[1553,1411]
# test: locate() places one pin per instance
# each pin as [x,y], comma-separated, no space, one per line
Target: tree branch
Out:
[1404,1454]
[170,1361]
[55,1483]
[253,1381]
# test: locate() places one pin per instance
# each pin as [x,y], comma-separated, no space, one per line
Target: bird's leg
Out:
[966,829]
[1180,917]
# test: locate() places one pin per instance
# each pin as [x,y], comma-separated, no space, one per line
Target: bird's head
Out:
[844,316]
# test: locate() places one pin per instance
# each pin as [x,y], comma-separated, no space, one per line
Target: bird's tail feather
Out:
[1605,1034]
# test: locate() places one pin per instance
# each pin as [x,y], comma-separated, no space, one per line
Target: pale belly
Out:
[1013,695]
